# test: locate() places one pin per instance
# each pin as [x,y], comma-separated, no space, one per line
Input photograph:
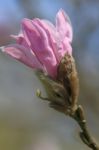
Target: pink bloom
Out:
[42,45]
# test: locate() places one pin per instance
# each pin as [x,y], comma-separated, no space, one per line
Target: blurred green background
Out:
[25,121]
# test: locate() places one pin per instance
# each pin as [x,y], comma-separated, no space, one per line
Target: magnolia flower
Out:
[47,48]
[42,45]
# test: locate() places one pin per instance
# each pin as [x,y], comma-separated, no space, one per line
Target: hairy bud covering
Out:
[67,76]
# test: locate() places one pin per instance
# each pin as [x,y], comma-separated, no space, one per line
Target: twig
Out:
[84,133]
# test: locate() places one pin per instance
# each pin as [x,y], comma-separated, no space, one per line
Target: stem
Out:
[84,134]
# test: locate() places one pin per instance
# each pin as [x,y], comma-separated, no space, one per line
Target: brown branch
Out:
[84,133]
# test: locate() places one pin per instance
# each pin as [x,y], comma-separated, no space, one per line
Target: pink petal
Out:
[50,27]
[51,38]
[23,54]
[63,25]
[20,40]
[66,46]
[39,43]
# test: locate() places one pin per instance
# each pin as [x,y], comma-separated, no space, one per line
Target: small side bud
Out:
[38,93]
